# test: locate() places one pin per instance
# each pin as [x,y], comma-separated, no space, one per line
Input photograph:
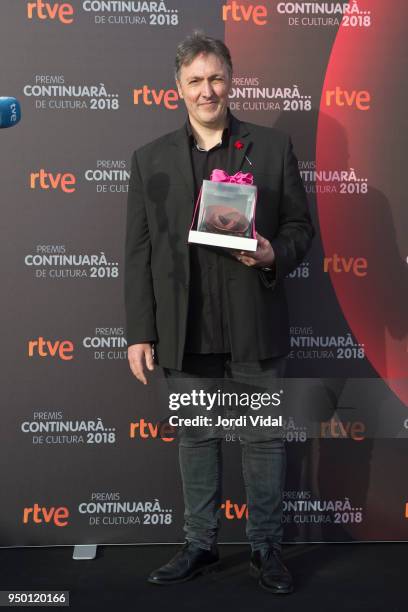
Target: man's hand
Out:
[263,257]
[140,355]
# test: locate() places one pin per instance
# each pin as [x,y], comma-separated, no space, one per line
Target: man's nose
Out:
[207,90]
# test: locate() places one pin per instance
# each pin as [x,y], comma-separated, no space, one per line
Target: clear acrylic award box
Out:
[224,216]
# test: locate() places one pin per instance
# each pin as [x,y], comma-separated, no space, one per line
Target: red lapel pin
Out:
[238,144]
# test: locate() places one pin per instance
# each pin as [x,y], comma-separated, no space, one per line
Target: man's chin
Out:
[211,116]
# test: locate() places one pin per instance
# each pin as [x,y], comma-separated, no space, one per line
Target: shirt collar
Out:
[225,134]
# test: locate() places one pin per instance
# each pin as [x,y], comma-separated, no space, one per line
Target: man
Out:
[207,312]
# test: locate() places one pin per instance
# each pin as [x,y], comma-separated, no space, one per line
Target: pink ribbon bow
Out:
[242,178]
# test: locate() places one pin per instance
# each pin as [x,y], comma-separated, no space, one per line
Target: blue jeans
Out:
[263,458]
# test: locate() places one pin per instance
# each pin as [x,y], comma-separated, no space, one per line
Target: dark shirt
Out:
[207,323]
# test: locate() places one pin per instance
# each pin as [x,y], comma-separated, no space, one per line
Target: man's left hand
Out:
[263,257]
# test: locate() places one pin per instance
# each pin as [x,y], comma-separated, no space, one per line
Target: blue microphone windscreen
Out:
[10,112]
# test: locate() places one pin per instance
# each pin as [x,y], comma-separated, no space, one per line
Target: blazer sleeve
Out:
[296,230]
[139,295]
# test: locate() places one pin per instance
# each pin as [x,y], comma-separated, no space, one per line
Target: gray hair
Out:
[198,43]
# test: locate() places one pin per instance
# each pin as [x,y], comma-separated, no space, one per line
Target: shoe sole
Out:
[203,570]
[256,573]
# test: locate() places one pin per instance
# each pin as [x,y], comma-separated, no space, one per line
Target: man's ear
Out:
[179,89]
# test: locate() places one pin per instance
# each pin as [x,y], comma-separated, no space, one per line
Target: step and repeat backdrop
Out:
[86,454]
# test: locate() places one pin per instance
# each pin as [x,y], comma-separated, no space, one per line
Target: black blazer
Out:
[159,214]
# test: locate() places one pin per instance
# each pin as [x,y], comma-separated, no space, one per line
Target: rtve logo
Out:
[337,264]
[341,97]
[343,429]
[234,511]
[42,514]
[168,97]
[63,12]
[46,180]
[245,12]
[46,348]
[145,429]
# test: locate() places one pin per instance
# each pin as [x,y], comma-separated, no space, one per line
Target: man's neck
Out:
[208,136]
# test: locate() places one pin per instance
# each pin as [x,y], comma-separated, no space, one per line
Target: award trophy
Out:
[224,215]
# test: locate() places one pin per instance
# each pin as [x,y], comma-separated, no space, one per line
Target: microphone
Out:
[10,112]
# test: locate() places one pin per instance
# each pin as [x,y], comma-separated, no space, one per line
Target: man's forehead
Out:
[204,64]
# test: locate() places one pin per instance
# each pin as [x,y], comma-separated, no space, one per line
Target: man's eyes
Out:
[194,81]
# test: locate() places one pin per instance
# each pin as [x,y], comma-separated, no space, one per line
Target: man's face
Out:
[204,87]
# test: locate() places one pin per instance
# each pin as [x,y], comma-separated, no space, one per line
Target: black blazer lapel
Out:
[182,158]
[240,135]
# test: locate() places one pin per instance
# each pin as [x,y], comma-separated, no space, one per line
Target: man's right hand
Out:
[140,355]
